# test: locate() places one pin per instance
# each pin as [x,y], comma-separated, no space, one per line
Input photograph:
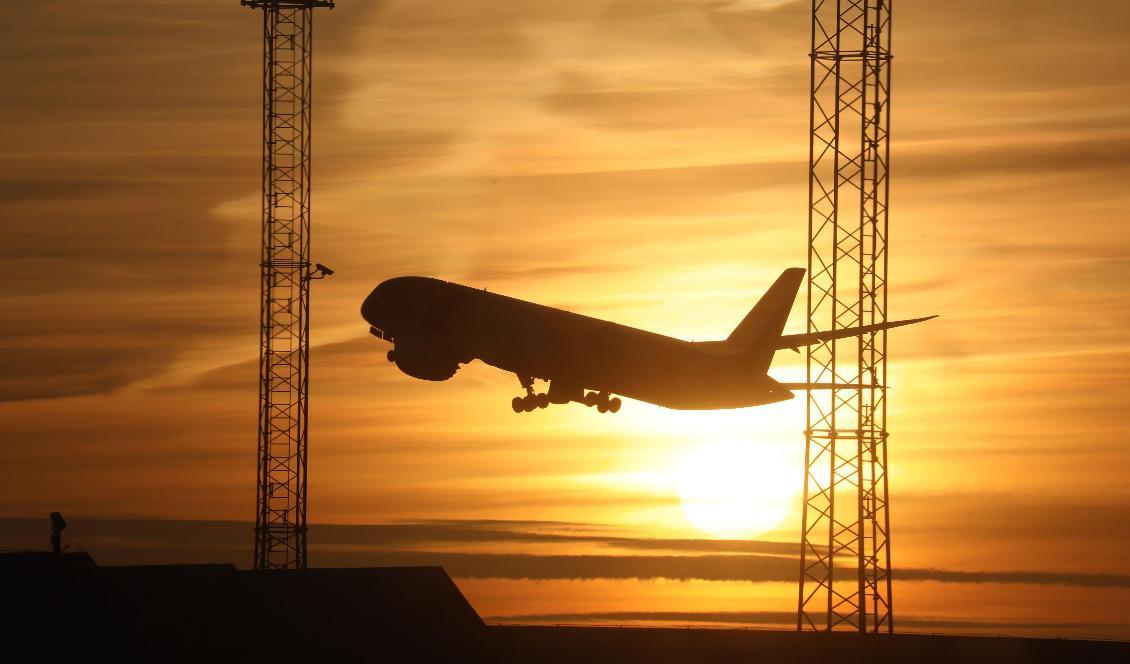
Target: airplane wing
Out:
[795,341]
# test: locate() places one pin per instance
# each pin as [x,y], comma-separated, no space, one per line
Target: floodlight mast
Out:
[845,567]
[285,276]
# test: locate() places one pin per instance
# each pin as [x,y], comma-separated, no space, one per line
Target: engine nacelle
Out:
[423,360]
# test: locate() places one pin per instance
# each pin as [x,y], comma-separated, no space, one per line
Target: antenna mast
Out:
[284,332]
[845,567]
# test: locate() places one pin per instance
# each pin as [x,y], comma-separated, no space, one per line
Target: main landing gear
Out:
[603,401]
[531,401]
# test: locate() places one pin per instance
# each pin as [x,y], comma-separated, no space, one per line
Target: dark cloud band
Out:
[117,541]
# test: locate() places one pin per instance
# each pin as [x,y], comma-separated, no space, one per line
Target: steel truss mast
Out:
[845,577]
[284,339]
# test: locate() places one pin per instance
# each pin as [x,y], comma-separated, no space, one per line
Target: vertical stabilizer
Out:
[767,318]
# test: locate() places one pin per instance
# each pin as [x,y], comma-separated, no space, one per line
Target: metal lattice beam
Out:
[845,580]
[284,339]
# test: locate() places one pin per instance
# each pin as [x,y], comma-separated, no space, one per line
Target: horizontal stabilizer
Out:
[827,386]
[795,341]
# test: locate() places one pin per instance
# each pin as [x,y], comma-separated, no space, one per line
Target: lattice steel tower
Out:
[284,337]
[845,573]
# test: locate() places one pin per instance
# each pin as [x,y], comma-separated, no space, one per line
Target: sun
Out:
[737,490]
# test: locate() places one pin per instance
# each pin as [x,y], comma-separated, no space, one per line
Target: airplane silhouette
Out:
[435,326]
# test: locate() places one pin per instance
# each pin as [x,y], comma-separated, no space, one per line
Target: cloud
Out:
[1100,152]
[1085,580]
[504,274]
[51,373]
[46,189]
[399,544]
[747,568]
[789,618]
[465,531]
[128,129]
[115,260]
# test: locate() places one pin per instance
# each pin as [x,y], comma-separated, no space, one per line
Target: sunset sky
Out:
[642,161]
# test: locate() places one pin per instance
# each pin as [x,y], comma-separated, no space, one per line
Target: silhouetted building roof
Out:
[66,607]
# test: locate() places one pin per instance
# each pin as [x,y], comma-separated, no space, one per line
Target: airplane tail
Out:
[759,333]
[767,318]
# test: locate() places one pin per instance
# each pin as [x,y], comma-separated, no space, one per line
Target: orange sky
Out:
[639,161]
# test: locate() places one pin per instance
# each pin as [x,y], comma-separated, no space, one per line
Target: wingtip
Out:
[912,321]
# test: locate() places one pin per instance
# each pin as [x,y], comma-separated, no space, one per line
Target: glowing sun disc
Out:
[737,489]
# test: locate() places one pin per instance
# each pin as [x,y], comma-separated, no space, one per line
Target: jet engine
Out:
[424,360]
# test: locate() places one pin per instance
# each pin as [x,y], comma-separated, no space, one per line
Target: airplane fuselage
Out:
[437,325]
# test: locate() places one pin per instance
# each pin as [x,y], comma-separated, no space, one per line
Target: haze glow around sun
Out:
[736,489]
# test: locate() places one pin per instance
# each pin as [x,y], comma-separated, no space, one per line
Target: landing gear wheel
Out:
[531,401]
[391,356]
[614,405]
[602,407]
[591,399]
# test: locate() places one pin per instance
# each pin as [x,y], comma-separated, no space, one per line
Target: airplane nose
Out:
[370,308]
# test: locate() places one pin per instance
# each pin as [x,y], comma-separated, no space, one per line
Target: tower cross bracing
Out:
[845,580]
[284,340]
